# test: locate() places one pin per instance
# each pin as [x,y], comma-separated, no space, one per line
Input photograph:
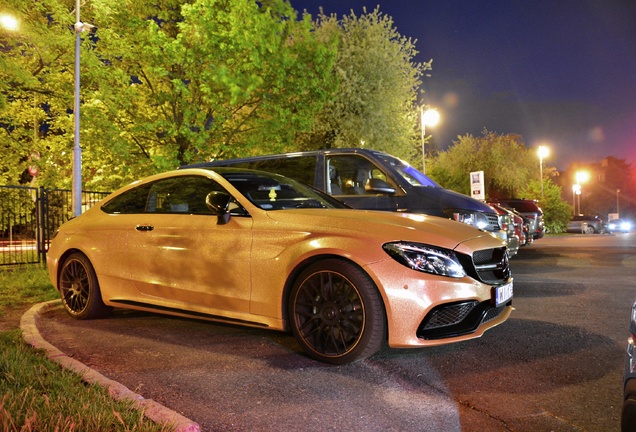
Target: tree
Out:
[556,211]
[36,90]
[178,81]
[506,162]
[510,171]
[377,81]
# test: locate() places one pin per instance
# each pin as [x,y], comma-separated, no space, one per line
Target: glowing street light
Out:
[430,117]
[543,152]
[580,177]
[9,22]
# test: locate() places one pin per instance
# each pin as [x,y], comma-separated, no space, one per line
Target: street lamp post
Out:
[618,211]
[543,151]
[430,117]
[77,150]
[580,177]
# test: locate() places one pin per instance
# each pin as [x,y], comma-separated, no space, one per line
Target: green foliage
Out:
[377,81]
[162,84]
[556,212]
[510,171]
[36,84]
[506,162]
[38,395]
[23,285]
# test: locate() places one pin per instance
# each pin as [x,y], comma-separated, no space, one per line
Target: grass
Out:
[37,394]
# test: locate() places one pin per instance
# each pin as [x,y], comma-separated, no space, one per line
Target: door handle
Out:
[144,227]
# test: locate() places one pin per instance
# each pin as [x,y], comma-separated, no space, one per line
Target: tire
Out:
[336,312]
[79,289]
[589,229]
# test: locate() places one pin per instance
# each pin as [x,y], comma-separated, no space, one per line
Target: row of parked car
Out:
[373,180]
[522,219]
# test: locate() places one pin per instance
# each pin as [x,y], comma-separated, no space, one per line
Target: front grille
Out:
[456,319]
[490,266]
[493,222]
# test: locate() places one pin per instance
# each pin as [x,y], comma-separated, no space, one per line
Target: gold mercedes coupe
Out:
[259,249]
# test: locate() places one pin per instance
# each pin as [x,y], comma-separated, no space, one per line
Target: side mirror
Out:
[378,186]
[218,203]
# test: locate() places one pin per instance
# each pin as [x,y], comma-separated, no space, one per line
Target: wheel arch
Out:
[61,261]
[291,278]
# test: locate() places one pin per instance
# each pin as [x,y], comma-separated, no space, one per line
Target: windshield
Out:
[275,192]
[410,174]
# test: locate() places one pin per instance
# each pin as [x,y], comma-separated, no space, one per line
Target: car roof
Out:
[351,150]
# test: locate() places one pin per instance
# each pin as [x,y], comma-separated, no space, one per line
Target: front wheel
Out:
[336,312]
[79,289]
[589,229]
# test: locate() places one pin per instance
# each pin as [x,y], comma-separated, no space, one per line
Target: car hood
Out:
[391,226]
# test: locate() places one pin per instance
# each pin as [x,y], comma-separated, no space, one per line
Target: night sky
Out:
[558,72]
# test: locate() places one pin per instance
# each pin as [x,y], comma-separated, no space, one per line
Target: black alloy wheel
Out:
[79,289]
[336,312]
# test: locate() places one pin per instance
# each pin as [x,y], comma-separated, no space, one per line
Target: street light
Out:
[9,22]
[430,117]
[543,151]
[576,190]
[580,177]
[618,212]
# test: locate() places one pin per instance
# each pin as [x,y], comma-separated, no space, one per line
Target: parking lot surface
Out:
[556,364]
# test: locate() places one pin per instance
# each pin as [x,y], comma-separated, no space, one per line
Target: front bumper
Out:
[427,310]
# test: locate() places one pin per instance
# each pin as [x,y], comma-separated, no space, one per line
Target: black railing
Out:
[28,218]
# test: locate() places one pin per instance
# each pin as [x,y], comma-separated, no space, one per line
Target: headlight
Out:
[476,219]
[425,258]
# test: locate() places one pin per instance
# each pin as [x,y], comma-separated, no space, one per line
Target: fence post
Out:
[42,221]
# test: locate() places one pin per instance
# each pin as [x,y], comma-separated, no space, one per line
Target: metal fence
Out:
[28,218]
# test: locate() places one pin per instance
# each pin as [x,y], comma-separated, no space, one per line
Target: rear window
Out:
[525,206]
[301,168]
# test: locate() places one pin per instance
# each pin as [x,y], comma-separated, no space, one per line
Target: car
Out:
[586,224]
[628,410]
[373,180]
[531,211]
[258,249]
[521,228]
[619,225]
[507,223]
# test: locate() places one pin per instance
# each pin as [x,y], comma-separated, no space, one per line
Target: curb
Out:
[151,409]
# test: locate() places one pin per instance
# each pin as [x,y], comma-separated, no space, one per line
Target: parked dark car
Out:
[531,211]
[587,224]
[373,180]
[628,415]
[507,223]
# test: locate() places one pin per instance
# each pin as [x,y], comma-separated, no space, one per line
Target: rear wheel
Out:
[79,289]
[589,229]
[336,312]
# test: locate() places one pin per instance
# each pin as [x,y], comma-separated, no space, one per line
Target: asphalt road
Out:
[555,365]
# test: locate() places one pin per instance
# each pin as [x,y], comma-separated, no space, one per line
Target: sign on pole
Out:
[477,189]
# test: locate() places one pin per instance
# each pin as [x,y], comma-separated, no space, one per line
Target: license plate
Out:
[502,294]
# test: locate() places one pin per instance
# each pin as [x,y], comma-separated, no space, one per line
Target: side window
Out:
[349,174]
[181,195]
[300,168]
[131,202]
[184,194]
